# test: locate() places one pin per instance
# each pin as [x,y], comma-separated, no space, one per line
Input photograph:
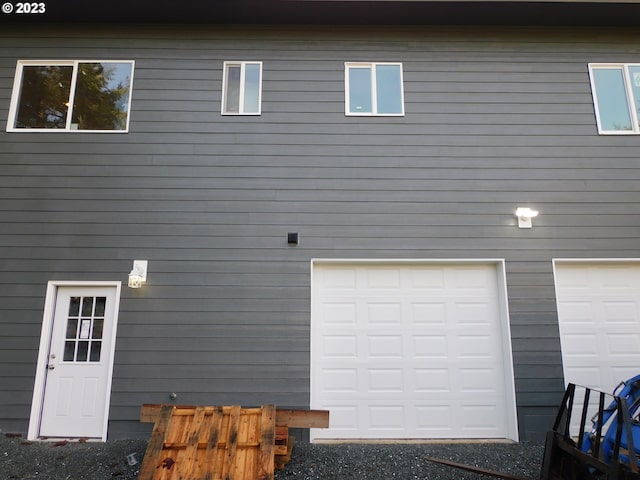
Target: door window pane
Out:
[74,306]
[96,348]
[72,328]
[85,328]
[97,329]
[87,306]
[69,351]
[100,304]
[83,350]
[83,336]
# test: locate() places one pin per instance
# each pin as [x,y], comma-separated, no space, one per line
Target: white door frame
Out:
[503,306]
[43,352]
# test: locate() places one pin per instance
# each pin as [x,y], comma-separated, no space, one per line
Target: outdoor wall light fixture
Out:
[525,214]
[138,274]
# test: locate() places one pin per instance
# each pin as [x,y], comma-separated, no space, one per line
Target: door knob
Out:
[51,366]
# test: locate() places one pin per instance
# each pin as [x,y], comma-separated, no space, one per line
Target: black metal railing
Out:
[604,450]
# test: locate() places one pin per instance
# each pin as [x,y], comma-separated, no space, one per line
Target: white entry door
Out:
[411,350]
[79,362]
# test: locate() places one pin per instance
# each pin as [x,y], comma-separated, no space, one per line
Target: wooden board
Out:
[283,451]
[284,417]
[211,443]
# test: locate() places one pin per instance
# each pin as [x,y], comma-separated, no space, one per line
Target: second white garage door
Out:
[411,350]
[599,317]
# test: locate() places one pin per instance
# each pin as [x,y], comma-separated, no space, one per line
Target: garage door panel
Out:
[381,278]
[431,314]
[620,311]
[339,278]
[408,345]
[434,420]
[476,346]
[578,312]
[477,420]
[344,346]
[430,346]
[430,381]
[383,314]
[344,417]
[427,278]
[620,371]
[477,380]
[471,278]
[599,319]
[339,313]
[623,344]
[471,311]
[585,375]
[387,417]
[386,380]
[334,380]
[384,346]
[581,344]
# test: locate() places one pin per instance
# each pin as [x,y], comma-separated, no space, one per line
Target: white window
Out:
[59,96]
[242,88]
[616,97]
[373,89]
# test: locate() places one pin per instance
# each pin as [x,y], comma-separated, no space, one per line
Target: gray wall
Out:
[495,119]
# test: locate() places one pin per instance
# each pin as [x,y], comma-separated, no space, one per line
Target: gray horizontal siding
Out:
[495,118]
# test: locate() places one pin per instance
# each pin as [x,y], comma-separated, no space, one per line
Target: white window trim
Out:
[635,128]
[242,65]
[374,96]
[17,82]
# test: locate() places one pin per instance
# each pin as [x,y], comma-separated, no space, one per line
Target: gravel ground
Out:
[103,461]
[408,461]
[20,459]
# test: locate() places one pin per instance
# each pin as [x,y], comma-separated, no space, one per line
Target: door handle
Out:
[51,366]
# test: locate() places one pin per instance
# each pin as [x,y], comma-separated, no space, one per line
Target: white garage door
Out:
[599,318]
[411,351]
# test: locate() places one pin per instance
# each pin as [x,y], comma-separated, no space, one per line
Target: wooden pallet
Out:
[211,443]
[221,443]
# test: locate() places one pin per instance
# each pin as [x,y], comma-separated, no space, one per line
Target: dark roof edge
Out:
[336,12]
